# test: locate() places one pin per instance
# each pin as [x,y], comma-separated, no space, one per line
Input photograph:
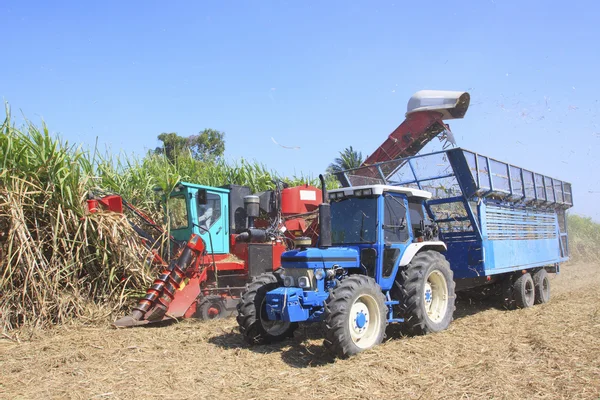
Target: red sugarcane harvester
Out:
[220,239]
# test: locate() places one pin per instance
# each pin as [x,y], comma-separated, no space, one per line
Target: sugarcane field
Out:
[260,201]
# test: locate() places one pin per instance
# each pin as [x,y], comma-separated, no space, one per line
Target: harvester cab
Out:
[200,210]
[231,214]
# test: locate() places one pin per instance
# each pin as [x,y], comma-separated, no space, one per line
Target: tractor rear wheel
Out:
[542,286]
[355,316]
[524,291]
[252,313]
[425,289]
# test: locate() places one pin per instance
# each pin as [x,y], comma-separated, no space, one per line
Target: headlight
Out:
[288,281]
[363,192]
[319,274]
[304,282]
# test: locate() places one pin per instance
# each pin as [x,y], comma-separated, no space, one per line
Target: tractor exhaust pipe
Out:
[324,217]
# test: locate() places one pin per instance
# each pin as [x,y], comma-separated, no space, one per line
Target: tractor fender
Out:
[414,248]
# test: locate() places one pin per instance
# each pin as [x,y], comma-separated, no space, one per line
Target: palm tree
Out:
[348,159]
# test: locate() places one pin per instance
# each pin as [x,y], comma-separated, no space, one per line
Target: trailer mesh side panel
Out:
[507,224]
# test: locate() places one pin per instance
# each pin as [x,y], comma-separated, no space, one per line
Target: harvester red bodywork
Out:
[196,283]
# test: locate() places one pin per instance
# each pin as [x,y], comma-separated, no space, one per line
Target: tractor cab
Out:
[375,229]
[380,222]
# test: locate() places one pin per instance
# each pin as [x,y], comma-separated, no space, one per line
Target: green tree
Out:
[349,158]
[206,144]
[209,143]
[172,145]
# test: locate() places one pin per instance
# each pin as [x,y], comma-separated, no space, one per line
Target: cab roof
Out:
[379,189]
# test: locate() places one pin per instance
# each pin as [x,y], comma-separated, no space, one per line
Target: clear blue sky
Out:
[318,75]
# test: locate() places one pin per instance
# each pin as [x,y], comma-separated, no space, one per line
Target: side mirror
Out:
[201,197]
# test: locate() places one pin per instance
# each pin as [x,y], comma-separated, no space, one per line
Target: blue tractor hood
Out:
[327,257]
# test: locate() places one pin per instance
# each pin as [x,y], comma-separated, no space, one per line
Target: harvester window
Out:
[178,213]
[209,213]
[394,225]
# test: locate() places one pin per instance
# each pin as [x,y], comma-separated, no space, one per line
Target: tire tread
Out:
[408,285]
[337,340]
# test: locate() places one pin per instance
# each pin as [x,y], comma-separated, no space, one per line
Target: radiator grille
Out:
[508,224]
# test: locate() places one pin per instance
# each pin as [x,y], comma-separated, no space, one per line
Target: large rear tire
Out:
[426,291]
[524,291]
[252,314]
[355,316]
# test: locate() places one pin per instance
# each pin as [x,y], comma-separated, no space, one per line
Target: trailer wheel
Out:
[355,316]
[542,286]
[425,289]
[524,291]
[212,307]
[252,314]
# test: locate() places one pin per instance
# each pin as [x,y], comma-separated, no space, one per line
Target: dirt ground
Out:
[548,351]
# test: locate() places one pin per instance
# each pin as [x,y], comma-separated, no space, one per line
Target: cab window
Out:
[209,213]
[178,213]
[417,213]
[394,214]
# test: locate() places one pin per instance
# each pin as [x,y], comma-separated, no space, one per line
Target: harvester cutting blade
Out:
[129,321]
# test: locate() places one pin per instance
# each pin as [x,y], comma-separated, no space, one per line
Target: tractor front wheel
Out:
[252,313]
[355,316]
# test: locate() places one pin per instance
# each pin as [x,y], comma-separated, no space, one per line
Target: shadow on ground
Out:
[298,352]
[470,303]
[301,351]
[151,325]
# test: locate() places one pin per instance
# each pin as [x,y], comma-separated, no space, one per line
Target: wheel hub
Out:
[360,319]
[529,291]
[435,296]
[213,311]
[428,295]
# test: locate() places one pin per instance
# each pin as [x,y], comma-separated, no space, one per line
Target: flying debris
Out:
[285,147]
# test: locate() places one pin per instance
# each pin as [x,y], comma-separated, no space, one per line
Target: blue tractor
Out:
[401,238]
[381,262]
